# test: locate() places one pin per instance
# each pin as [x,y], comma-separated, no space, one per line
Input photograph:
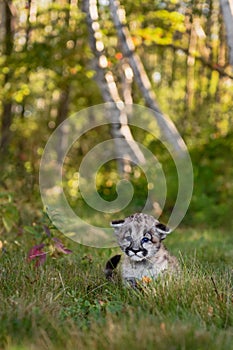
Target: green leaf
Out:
[10,216]
[8,222]
[30,229]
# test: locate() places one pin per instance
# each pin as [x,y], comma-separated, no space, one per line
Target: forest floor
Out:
[68,304]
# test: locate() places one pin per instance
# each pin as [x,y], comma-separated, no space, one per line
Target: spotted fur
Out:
[140,237]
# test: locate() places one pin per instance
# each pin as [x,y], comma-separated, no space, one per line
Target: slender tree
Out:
[6,118]
[227,10]
[121,133]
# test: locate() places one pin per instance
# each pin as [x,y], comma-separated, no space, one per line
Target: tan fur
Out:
[139,237]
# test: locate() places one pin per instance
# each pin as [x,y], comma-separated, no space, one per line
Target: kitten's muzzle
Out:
[138,252]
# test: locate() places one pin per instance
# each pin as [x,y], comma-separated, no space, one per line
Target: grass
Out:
[68,304]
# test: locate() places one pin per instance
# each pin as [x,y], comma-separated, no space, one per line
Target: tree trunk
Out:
[6,118]
[190,78]
[62,114]
[63,107]
[168,130]
[121,133]
[227,10]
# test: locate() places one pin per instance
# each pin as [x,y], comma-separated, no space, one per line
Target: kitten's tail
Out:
[111,265]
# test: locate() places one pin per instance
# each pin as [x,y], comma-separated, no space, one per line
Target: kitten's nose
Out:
[135,250]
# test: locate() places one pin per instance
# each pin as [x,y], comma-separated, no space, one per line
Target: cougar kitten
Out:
[140,237]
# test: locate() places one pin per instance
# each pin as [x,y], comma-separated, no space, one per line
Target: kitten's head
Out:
[140,235]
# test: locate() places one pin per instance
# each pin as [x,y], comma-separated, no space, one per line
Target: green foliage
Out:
[51,59]
[160,27]
[8,212]
[212,199]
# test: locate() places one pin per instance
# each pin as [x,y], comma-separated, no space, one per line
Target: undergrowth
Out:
[68,304]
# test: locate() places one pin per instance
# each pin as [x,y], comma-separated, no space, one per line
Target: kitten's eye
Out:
[144,240]
[128,238]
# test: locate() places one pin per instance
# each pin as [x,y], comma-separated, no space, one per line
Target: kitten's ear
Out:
[162,230]
[116,224]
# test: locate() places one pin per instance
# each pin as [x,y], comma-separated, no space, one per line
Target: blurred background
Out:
[48,72]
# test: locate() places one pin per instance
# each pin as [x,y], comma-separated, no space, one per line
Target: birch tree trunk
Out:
[227,10]
[125,144]
[190,78]
[167,128]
